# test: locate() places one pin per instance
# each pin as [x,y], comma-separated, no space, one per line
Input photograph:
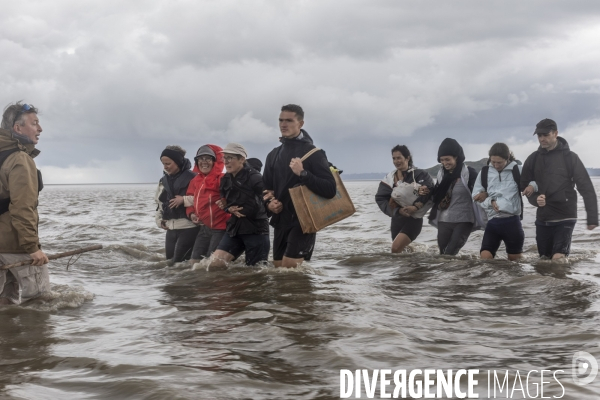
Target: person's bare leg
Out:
[400,243]
[558,255]
[4,301]
[514,257]
[220,259]
[486,255]
[291,262]
[277,263]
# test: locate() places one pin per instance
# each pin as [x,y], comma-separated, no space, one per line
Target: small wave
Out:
[60,297]
[267,267]
[139,252]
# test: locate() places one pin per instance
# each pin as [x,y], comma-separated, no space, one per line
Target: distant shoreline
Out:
[367,176]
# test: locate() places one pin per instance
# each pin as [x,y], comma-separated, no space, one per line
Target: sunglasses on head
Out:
[24,109]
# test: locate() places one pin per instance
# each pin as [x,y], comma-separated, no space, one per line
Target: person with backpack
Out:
[454,213]
[497,190]
[399,197]
[557,170]
[247,230]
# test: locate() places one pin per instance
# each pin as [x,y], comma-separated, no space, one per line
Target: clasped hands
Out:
[234,210]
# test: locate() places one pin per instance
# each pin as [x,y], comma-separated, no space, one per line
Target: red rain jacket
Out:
[205,189]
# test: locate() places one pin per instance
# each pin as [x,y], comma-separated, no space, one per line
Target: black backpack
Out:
[516,176]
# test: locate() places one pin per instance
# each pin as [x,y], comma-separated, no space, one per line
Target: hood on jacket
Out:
[9,141]
[218,165]
[212,179]
[562,145]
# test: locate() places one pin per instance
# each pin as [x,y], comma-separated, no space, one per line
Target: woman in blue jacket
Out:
[497,191]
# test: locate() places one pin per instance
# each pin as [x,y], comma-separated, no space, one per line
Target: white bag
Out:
[405,194]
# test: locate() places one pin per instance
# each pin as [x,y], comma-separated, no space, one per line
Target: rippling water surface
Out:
[121,324]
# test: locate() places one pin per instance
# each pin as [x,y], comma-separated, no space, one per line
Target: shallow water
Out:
[121,324]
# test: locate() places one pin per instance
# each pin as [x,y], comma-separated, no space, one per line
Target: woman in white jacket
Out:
[497,191]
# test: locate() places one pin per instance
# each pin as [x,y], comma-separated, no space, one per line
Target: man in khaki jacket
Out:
[20,183]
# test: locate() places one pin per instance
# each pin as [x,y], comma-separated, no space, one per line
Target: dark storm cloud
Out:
[116,82]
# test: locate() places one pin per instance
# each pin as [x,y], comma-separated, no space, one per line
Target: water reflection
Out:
[25,340]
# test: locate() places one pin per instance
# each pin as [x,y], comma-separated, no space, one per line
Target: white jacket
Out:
[503,189]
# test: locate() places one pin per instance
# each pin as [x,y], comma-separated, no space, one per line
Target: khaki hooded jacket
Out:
[19,182]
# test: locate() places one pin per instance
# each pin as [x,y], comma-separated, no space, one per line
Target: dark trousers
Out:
[179,243]
[452,236]
[554,237]
[206,242]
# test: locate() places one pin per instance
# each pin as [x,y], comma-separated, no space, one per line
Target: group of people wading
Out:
[208,213]
[211,214]
[463,201]
[216,215]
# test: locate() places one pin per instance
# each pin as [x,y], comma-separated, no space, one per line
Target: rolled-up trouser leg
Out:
[22,283]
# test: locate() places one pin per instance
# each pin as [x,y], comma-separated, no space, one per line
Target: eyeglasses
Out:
[204,159]
[24,109]
[229,158]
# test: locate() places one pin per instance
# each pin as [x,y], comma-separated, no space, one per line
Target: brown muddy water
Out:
[121,324]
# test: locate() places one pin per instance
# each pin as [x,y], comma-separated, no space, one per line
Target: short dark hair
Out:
[405,152]
[295,109]
[501,150]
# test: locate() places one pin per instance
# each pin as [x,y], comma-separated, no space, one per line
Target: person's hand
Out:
[194,218]
[495,206]
[176,202]
[528,191]
[423,190]
[275,206]
[410,210]
[393,204]
[402,212]
[39,258]
[220,203]
[268,195]
[235,210]
[296,166]
[592,227]
[480,197]
[541,200]
[163,224]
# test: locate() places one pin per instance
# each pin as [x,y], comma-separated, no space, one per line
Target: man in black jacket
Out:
[284,170]
[557,170]
[241,195]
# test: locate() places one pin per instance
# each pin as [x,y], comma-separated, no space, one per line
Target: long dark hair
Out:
[501,150]
[402,149]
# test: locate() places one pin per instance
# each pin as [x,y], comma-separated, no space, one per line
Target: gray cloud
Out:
[116,82]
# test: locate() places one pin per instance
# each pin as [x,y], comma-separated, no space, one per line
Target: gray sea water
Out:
[121,324]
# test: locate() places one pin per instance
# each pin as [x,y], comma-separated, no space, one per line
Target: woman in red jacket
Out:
[202,196]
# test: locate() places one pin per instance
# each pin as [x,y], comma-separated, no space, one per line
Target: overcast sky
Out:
[117,81]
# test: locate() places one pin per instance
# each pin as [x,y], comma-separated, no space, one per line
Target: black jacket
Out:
[384,192]
[552,172]
[175,186]
[279,177]
[245,190]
